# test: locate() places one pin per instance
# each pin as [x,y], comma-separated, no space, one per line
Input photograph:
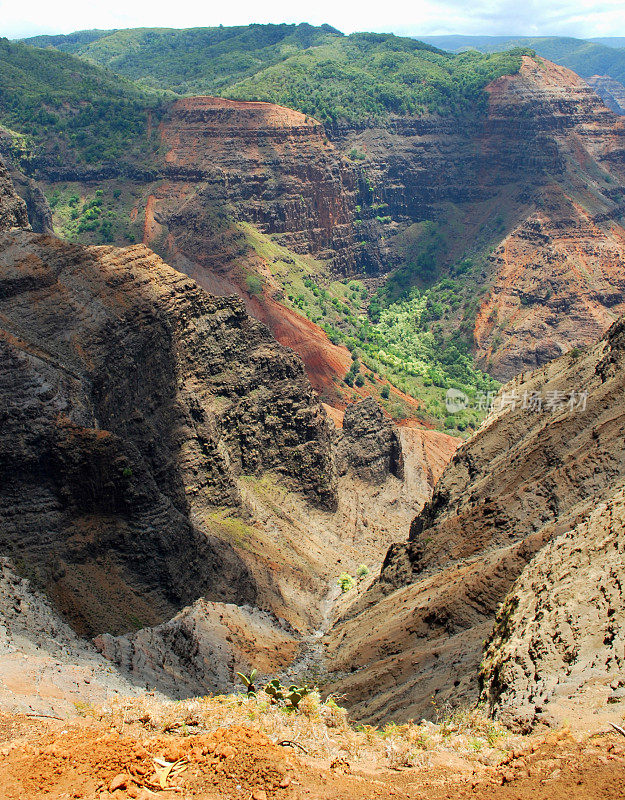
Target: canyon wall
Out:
[531,190]
[129,397]
[537,468]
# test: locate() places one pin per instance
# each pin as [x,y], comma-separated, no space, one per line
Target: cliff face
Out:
[537,468]
[13,212]
[539,180]
[556,279]
[274,166]
[159,449]
[130,397]
[369,443]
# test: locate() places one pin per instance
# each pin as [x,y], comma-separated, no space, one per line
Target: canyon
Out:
[185,472]
[163,458]
[531,194]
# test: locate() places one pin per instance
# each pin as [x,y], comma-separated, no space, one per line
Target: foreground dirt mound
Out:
[558,638]
[92,758]
[535,470]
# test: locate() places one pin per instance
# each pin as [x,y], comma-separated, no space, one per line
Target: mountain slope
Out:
[192,60]
[531,473]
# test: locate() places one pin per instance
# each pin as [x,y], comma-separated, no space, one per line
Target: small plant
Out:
[346,582]
[248,681]
[362,571]
[385,392]
[127,472]
[289,698]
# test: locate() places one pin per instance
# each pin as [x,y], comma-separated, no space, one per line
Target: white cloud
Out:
[554,17]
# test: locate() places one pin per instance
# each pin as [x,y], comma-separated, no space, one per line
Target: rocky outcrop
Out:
[273,166]
[610,91]
[199,651]
[556,279]
[13,213]
[557,282]
[560,629]
[369,444]
[550,452]
[45,668]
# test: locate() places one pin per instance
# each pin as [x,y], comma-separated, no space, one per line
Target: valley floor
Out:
[127,752]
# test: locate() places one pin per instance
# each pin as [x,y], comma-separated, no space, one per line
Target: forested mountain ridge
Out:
[316,70]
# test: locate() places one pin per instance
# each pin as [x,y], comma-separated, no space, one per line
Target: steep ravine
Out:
[166,466]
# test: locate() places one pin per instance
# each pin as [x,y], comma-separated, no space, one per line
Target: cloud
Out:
[582,18]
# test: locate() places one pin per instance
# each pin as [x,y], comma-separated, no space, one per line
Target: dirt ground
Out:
[54,759]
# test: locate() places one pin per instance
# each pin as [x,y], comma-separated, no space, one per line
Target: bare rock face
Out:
[369,444]
[274,166]
[200,649]
[529,474]
[610,91]
[561,627]
[13,212]
[130,400]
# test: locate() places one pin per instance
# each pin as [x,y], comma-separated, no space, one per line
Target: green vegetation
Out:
[346,582]
[248,681]
[193,60]
[367,76]
[362,571]
[99,217]
[288,699]
[80,111]
[418,339]
[317,70]
[586,57]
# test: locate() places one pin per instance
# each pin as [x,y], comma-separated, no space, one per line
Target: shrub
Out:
[253,284]
[346,582]
[362,571]
[385,393]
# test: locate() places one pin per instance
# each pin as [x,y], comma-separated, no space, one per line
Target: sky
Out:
[581,18]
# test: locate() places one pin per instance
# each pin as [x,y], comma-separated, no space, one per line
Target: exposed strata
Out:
[13,213]
[160,450]
[556,279]
[545,165]
[273,166]
[131,397]
[523,479]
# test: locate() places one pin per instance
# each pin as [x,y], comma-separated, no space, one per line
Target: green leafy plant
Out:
[362,571]
[248,681]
